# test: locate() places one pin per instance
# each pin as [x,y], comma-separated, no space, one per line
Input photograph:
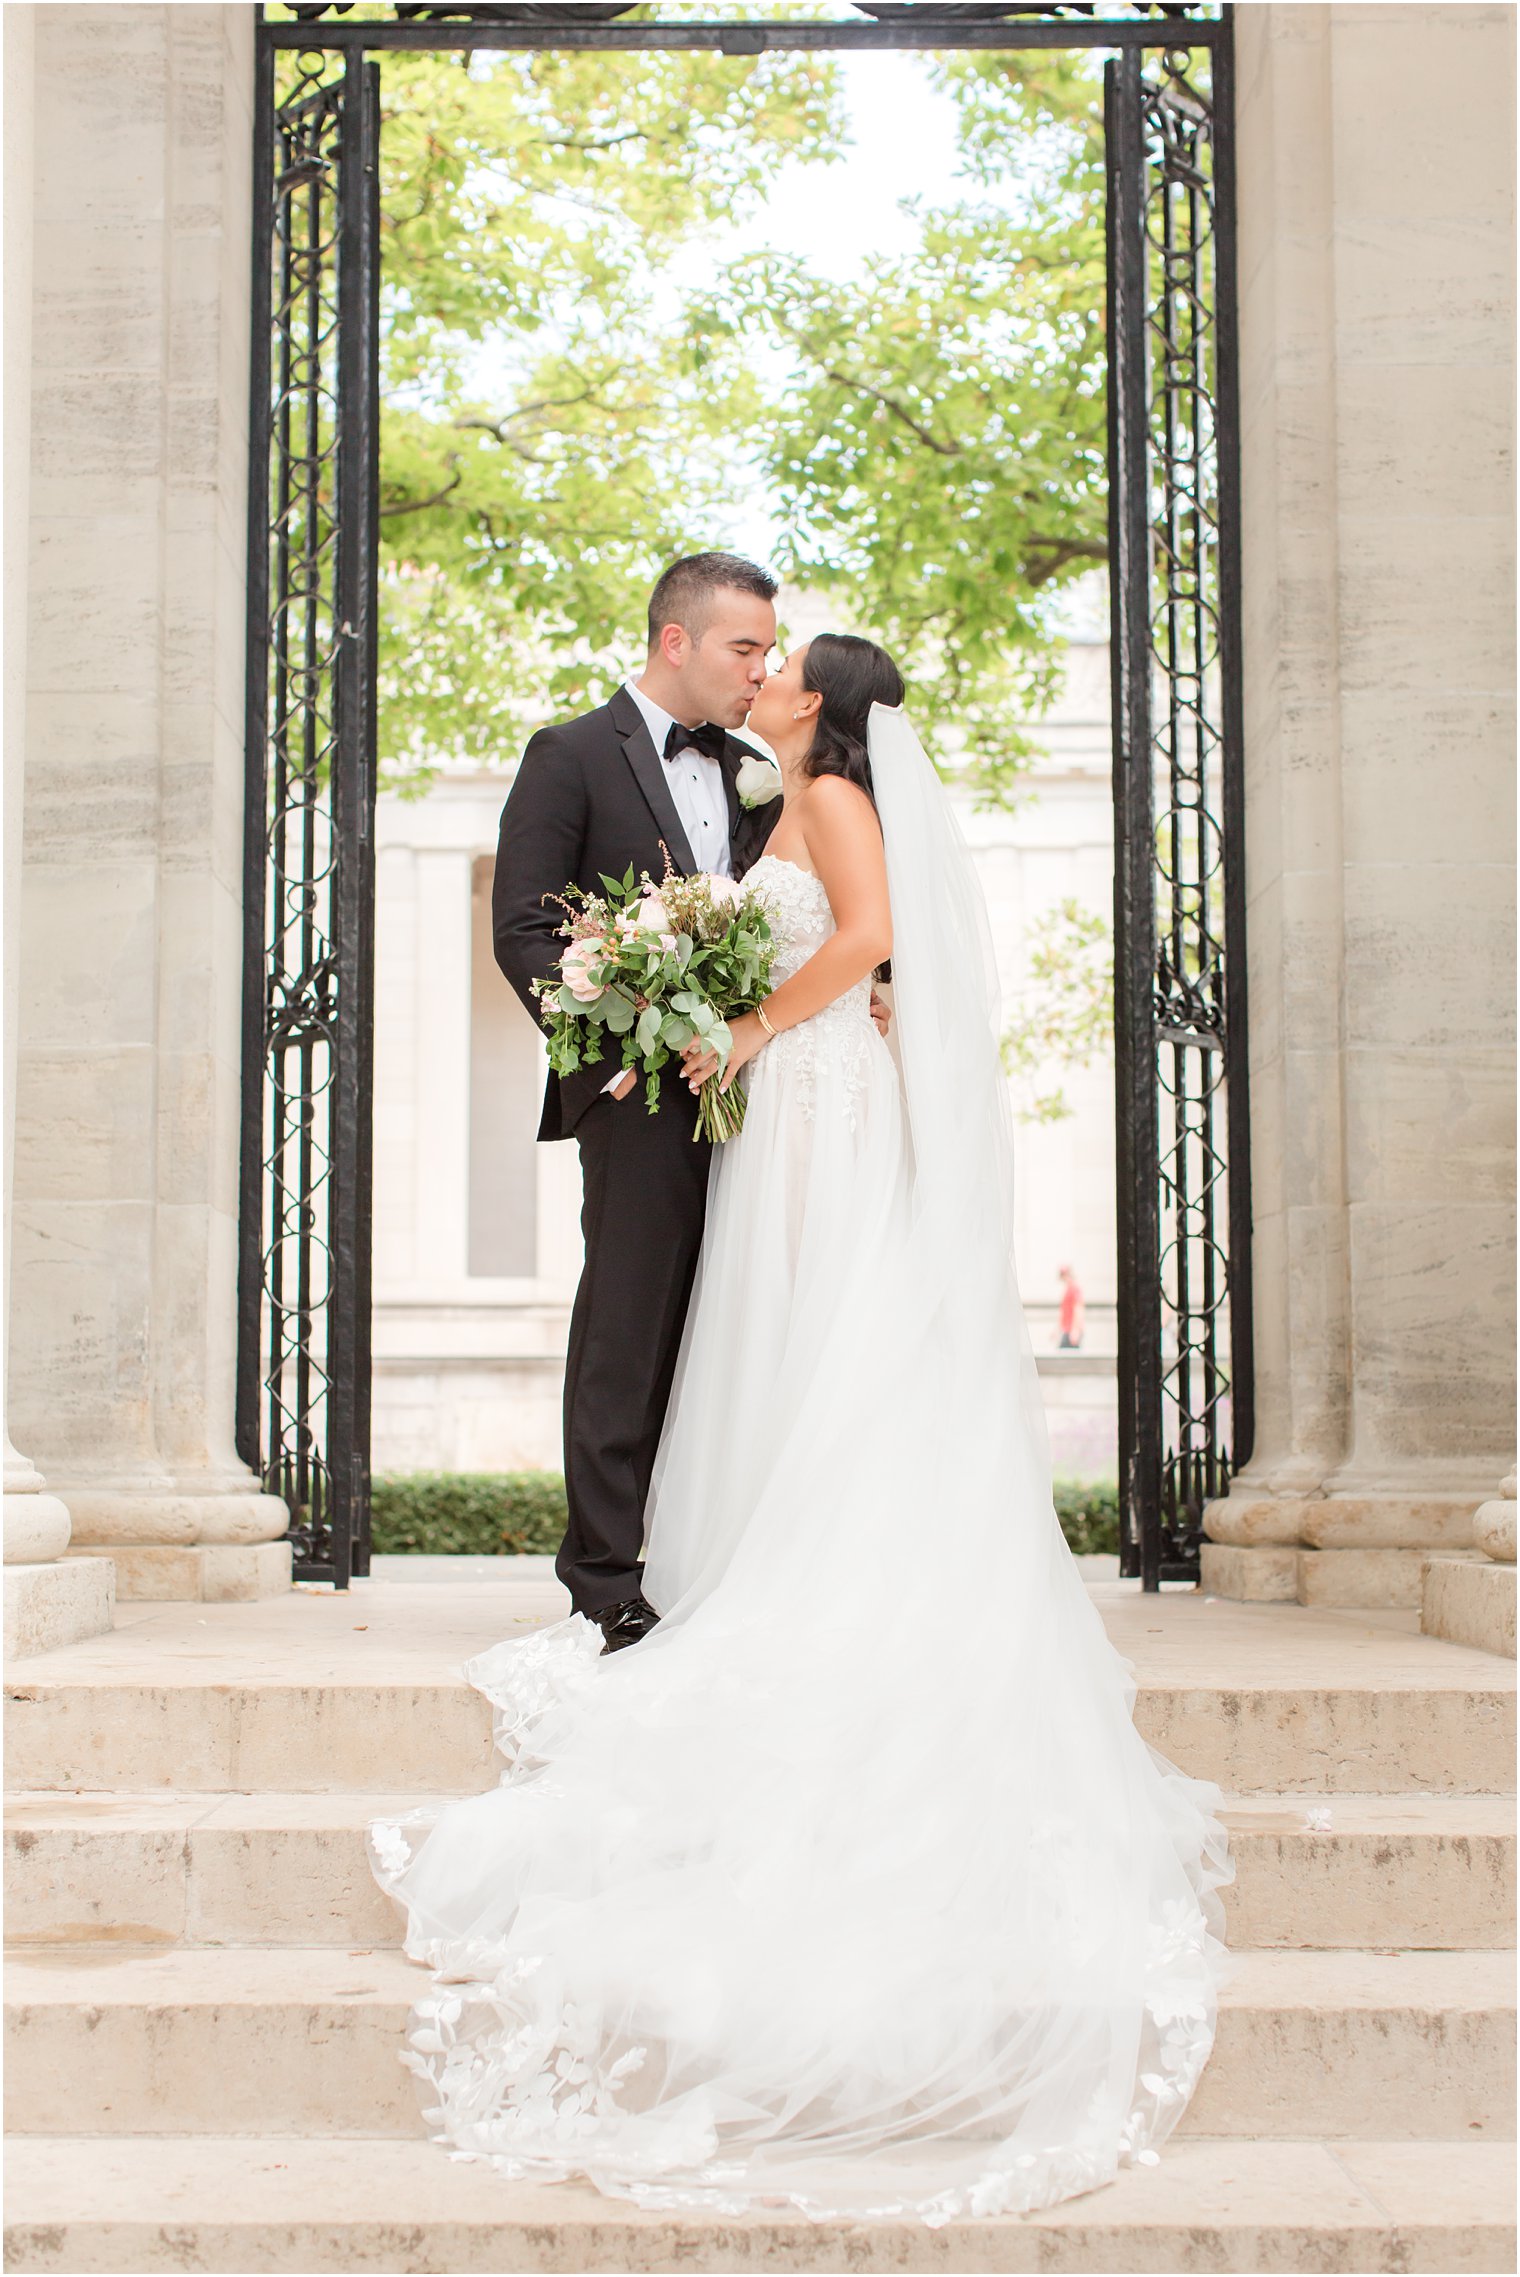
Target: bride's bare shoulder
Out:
[835,803]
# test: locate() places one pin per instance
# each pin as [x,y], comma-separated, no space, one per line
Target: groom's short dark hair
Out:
[684,593]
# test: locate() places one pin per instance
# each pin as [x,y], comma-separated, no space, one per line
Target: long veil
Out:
[960,1132]
[853,1885]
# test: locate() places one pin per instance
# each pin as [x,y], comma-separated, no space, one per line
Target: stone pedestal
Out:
[1331,1548]
[1472,1601]
[47,1602]
[57,1603]
[211,1547]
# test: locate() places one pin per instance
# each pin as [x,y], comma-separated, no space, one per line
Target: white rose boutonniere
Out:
[758,782]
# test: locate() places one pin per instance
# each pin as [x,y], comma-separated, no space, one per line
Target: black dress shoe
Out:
[624,1624]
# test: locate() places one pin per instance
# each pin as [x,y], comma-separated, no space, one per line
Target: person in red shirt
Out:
[1073,1311]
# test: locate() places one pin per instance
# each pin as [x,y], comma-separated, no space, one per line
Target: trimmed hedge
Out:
[467,1513]
[1089,1516]
[505,1513]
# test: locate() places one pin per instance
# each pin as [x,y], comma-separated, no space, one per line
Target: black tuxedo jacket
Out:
[590,797]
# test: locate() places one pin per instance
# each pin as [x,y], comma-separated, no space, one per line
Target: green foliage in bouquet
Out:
[656,968]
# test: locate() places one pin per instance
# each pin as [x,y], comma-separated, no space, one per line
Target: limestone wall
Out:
[1376,262]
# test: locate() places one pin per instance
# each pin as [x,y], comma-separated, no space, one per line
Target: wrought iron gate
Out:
[1183,1144]
[304,1266]
[1184,1220]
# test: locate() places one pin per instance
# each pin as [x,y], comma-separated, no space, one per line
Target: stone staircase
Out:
[205,2001]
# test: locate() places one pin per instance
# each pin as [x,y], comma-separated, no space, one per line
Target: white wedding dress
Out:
[852,1886]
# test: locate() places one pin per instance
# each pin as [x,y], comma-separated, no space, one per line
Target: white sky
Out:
[901,144]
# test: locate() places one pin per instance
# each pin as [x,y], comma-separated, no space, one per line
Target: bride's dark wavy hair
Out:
[851,675]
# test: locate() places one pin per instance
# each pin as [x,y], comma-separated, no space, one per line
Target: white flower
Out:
[651,915]
[726,892]
[758,782]
[391,1848]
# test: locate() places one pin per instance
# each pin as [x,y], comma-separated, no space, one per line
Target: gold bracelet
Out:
[765,1024]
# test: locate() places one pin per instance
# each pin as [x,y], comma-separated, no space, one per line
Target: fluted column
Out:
[1376,264]
[128,1085]
[46,1603]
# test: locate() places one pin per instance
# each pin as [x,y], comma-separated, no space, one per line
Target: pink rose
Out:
[576,968]
[652,915]
[727,893]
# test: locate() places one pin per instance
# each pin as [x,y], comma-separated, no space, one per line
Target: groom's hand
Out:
[881,1013]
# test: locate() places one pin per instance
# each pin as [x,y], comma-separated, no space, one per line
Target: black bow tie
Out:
[708,739]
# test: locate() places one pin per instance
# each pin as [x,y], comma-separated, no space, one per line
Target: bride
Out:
[852,1886]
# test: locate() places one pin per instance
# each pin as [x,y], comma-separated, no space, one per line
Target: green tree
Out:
[937,443]
[559,420]
[541,399]
[1065,1017]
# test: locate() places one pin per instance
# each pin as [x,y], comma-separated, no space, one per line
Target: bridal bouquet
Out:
[654,966]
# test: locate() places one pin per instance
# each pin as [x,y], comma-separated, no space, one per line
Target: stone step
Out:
[282,1869]
[322,1693]
[424,1738]
[219,2204]
[306,2041]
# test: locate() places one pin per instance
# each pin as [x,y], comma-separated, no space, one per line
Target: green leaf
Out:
[648,1031]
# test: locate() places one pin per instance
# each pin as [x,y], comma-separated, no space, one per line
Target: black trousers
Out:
[645,1200]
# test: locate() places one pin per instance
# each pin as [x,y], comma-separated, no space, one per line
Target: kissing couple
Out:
[827,1868]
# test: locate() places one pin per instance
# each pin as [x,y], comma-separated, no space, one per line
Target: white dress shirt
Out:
[700,797]
[697,788]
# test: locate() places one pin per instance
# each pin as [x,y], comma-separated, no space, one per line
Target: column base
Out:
[1284,1574]
[36,1527]
[109,1519]
[57,1604]
[1257,1576]
[210,1573]
[1342,1521]
[1470,1601]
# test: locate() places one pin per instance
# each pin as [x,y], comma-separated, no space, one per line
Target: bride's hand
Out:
[698,1062]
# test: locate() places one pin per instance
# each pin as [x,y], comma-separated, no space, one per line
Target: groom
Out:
[654,768]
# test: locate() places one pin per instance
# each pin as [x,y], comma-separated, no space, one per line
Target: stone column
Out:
[1377,375]
[48,1601]
[127,1099]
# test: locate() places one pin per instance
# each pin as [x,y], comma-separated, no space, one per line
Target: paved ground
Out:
[382,1630]
[542,1568]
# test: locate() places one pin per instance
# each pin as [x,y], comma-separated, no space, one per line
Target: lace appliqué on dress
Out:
[837,1039]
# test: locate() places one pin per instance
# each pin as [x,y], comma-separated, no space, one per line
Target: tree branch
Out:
[863,387]
[420,505]
[1061,551]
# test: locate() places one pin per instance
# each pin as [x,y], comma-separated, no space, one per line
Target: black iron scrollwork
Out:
[303,1291]
[1185,1374]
